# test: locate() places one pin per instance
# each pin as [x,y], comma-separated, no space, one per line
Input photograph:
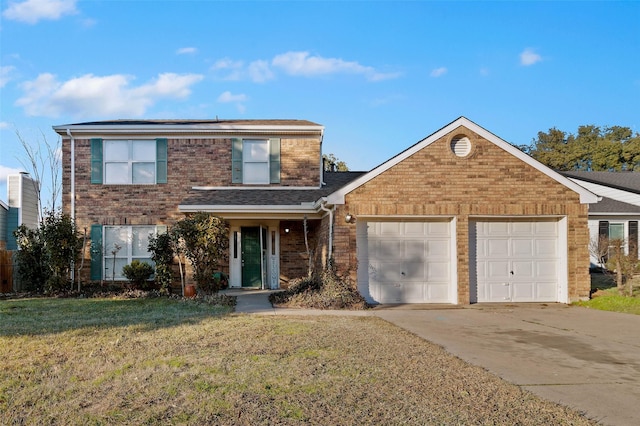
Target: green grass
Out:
[159,361]
[612,300]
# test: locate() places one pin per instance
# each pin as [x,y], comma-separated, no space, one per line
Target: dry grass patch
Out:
[182,363]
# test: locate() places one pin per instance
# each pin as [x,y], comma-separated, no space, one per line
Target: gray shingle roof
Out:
[608,205]
[263,197]
[159,122]
[627,181]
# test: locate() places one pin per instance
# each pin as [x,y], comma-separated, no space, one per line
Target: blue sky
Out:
[379,75]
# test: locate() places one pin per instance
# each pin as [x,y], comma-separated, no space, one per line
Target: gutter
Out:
[73,174]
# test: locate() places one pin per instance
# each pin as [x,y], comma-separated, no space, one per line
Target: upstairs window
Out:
[129,162]
[255,161]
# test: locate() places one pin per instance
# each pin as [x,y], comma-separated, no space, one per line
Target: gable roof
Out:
[586,196]
[611,206]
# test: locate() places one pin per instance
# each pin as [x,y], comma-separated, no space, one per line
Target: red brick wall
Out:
[488,182]
[191,162]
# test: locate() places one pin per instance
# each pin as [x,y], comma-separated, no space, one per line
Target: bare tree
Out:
[43,159]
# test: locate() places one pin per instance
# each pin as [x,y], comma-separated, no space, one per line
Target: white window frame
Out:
[130,162]
[248,161]
[125,255]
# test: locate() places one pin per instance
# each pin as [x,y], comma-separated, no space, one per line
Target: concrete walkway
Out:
[586,359]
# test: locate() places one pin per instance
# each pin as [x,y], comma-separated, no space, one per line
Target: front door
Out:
[251,257]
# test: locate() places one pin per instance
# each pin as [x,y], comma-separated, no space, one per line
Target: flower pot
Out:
[190,291]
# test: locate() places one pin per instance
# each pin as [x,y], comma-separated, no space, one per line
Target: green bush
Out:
[138,273]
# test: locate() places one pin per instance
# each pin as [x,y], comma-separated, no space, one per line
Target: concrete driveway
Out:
[586,359]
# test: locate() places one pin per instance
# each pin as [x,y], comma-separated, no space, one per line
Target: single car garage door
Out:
[516,261]
[405,262]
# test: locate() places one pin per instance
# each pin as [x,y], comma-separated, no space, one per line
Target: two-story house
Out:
[459,217]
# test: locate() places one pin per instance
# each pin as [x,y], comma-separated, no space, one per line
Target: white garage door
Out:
[405,262]
[516,261]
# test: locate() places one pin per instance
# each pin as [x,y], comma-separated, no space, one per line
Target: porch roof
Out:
[265,200]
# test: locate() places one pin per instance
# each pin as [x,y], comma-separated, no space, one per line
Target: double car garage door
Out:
[415,262]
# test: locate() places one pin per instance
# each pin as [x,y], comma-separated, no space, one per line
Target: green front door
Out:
[251,257]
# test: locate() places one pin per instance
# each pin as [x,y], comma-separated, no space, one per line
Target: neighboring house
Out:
[617,214]
[21,209]
[460,217]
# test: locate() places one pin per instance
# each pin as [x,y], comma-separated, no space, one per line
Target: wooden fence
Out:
[6,271]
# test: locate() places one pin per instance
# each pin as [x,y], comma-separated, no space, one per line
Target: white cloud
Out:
[438,72]
[230,97]
[32,11]
[187,51]
[91,95]
[6,171]
[259,71]
[303,64]
[4,125]
[232,70]
[5,74]
[529,57]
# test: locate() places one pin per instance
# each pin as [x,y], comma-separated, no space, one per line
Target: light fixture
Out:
[287,230]
[349,218]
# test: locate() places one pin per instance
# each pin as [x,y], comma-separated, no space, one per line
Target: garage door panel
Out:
[516,261]
[406,262]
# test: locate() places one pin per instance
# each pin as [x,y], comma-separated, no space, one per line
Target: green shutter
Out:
[274,160]
[96,252]
[96,160]
[236,160]
[161,160]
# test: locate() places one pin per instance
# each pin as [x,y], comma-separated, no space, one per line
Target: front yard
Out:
[159,361]
[606,296]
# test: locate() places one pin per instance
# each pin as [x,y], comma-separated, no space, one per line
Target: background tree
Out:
[44,159]
[592,148]
[206,240]
[331,164]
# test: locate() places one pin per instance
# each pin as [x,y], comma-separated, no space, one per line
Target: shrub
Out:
[324,291]
[138,273]
[162,253]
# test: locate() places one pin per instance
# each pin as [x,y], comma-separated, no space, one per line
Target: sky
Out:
[379,75]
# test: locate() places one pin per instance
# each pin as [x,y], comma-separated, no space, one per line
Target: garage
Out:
[515,261]
[406,262]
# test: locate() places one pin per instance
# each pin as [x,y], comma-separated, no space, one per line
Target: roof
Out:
[211,122]
[268,198]
[586,196]
[609,205]
[627,181]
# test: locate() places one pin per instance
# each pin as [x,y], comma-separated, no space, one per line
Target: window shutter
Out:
[274,160]
[603,240]
[633,239]
[96,252]
[161,160]
[96,160]
[236,160]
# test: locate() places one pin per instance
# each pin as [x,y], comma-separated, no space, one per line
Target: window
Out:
[255,161]
[616,231]
[128,162]
[123,244]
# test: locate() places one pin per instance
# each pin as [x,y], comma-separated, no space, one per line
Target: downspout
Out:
[73,193]
[323,204]
[73,175]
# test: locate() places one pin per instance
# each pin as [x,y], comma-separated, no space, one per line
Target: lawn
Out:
[608,298]
[159,361]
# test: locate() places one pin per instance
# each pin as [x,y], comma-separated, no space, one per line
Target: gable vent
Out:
[461,146]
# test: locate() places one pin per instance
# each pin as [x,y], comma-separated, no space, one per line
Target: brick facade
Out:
[191,162]
[489,182]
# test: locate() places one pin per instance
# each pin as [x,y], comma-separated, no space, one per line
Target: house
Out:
[459,217]
[617,214]
[21,209]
